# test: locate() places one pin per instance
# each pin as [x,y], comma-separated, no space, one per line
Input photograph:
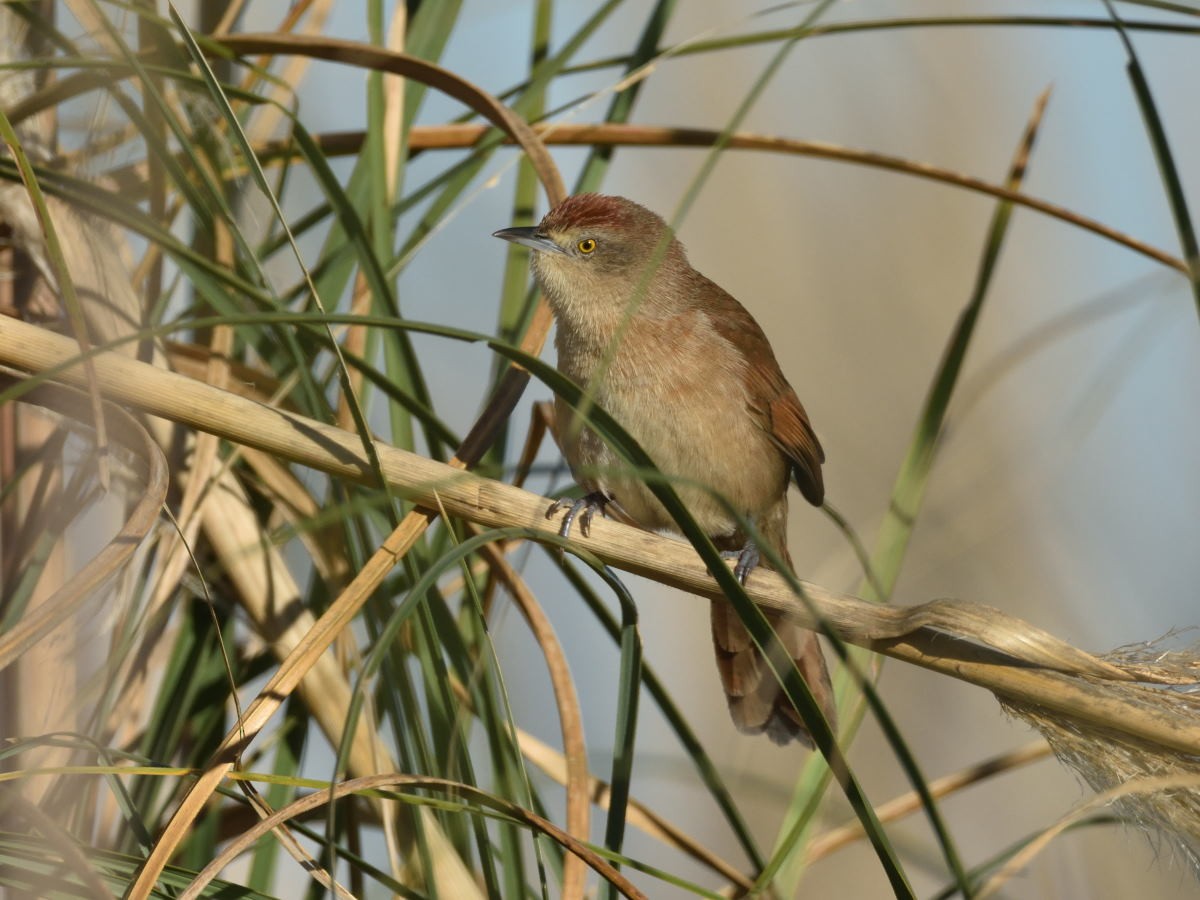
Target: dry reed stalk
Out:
[1117,702]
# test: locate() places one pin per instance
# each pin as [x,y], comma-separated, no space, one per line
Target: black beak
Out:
[529,237]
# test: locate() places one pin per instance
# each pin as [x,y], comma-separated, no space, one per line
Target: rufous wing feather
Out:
[772,400]
[757,702]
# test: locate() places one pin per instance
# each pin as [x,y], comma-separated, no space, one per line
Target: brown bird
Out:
[686,370]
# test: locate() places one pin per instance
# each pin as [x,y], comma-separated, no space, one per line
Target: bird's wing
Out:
[772,399]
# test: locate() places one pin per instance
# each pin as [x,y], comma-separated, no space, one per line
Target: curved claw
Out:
[583,509]
[747,561]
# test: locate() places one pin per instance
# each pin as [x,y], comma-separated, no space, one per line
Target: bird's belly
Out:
[703,441]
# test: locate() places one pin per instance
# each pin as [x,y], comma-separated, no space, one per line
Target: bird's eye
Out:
[586,246]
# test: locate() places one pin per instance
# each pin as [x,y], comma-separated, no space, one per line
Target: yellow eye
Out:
[587,245]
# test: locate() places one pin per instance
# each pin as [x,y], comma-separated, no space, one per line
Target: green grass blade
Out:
[706,769]
[1156,131]
[628,693]
[235,129]
[912,480]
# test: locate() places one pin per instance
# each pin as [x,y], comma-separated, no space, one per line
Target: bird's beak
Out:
[529,237]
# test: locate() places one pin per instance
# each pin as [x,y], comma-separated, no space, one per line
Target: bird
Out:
[689,373]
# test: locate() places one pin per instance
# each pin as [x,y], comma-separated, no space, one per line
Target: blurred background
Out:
[1066,487]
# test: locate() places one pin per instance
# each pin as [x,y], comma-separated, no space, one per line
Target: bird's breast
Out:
[679,390]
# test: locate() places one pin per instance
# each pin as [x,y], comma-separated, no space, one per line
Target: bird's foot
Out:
[583,509]
[747,560]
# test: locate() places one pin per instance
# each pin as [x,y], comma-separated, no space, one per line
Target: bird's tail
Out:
[757,701]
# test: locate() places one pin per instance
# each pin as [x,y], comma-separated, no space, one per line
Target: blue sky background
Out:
[1067,487]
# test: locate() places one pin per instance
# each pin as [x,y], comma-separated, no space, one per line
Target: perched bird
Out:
[686,370]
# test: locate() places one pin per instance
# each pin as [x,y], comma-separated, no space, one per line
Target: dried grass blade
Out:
[413,783]
[60,273]
[566,700]
[117,552]
[496,504]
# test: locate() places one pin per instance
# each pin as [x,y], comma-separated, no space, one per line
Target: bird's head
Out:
[594,249]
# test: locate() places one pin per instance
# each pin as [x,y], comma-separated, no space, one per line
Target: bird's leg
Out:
[747,560]
[583,508]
